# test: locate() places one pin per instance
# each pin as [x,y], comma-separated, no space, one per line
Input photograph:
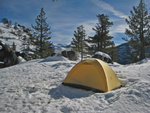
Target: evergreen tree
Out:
[78,42]
[112,51]
[9,23]
[15,26]
[42,36]
[139,26]
[26,44]
[5,20]
[101,40]
[19,34]
[14,46]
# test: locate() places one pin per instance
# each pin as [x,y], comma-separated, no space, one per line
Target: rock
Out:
[7,56]
[102,56]
[71,55]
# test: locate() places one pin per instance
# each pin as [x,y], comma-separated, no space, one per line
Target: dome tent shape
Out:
[92,74]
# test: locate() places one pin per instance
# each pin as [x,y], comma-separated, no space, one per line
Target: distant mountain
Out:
[124,56]
[124,53]
[58,48]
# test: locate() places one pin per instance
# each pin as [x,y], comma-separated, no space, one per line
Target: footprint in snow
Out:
[31,89]
[111,97]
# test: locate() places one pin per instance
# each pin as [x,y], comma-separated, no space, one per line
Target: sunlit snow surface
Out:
[35,87]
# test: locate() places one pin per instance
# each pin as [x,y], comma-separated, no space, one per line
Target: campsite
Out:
[74,56]
[36,86]
[94,74]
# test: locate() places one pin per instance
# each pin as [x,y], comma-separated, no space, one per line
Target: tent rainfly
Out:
[92,74]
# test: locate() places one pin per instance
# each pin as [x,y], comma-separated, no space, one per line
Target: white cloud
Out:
[59,37]
[107,7]
[118,29]
[66,35]
[88,25]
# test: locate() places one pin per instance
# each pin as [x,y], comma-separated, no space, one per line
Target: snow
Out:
[58,48]
[8,38]
[103,54]
[21,60]
[36,86]
[55,58]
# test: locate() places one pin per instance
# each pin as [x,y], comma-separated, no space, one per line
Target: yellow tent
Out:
[92,74]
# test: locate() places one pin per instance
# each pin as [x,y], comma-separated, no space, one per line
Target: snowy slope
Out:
[8,37]
[35,86]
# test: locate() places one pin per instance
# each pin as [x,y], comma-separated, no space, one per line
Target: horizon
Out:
[65,16]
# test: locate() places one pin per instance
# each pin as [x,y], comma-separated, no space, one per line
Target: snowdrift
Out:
[35,86]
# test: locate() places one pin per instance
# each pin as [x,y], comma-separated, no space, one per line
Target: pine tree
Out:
[14,46]
[139,26]
[9,23]
[78,42]
[5,20]
[26,44]
[112,51]
[15,26]
[101,40]
[42,36]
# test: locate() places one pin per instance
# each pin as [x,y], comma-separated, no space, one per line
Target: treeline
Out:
[138,33]
[101,41]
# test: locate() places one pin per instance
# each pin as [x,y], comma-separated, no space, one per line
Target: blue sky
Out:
[64,16]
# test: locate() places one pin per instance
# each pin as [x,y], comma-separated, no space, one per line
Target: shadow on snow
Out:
[69,92]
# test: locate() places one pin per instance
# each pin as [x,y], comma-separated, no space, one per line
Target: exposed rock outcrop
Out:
[7,56]
[71,55]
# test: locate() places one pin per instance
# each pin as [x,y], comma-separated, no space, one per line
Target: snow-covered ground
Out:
[35,87]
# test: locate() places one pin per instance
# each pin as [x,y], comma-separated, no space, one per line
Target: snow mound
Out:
[21,60]
[146,60]
[55,58]
[103,54]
